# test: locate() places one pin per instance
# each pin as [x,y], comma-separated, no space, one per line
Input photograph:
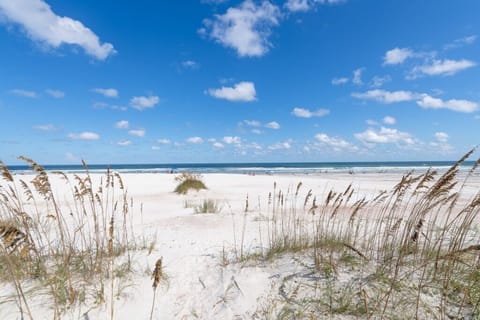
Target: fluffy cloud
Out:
[297,5]
[45,127]
[441,136]
[137,133]
[55,93]
[124,143]
[256,124]
[242,91]
[337,81]
[397,56]
[423,100]
[389,120]
[305,5]
[305,113]
[41,24]
[384,135]
[441,144]
[217,145]
[252,123]
[429,102]
[461,42]
[24,93]
[195,140]
[378,81]
[338,144]
[122,124]
[357,76]
[108,92]
[383,96]
[84,136]
[285,145]
[142,102]
[441,68]
[273,125]
[163,141]
[155,148]
[245,28]
[190,64]
[232,140]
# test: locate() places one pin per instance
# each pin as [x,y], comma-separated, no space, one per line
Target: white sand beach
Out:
[198,250]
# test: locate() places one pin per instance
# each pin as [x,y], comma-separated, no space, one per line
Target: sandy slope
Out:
[191,245]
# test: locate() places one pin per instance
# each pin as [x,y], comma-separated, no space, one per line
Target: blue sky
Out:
[238,81]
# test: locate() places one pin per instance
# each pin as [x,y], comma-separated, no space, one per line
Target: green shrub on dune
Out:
[189,181]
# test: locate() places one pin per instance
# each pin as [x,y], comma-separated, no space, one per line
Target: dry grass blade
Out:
[157,276]
[5,172]
[157,273]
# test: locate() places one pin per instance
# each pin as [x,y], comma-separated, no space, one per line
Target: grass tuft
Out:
[189,181]
[208,206]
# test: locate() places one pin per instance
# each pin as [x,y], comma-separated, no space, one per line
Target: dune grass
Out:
[189,181]
[208,206]
[68,256]
[410,253]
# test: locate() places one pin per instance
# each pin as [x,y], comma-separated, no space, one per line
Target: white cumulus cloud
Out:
[457,43]
[122,124]
[195,140]
[384,135]
[217,145]
[142,102]
[137,133]
[106,92]
[124,143]
[41,24]
[338,144]
[441,136]
[84,136]
[55,93]
[306,5]
[190,64]
[378,81]
[285,145]
[273,125]
[384,96]
[389,120]
[163,141]
[397,56]
[242,91]
[245,28]
[232,140]
[337,81]
[429,102]
[24,93]
[45,127]
[357,76]
[305,113]
[297,5]
[444,67]
[252,123]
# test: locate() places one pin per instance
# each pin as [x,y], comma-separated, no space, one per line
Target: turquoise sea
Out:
[260,168]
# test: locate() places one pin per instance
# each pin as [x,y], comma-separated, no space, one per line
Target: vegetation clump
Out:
[189,181]
[208,206]
[74,255]
[412,251]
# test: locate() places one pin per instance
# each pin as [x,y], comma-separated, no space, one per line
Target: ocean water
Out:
[260,168]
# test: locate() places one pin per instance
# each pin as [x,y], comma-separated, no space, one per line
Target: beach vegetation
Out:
[410,251]
[208,206]
[189,181]
[72,257]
